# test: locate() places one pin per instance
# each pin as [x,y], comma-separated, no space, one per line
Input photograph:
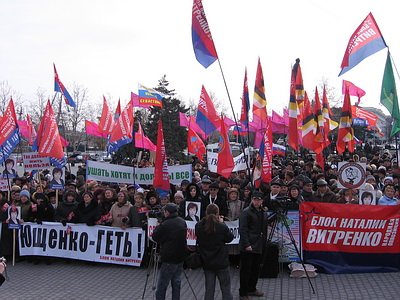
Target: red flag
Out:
[225,163]
[207,117]
[8,122]
[93,129]
[296,97]
[244,114]
[142,141]
[309,128]
[358,112]
[321,137]
[124,125]
[259,102]
[64,142]
[106,120]
[161,176]
[326,111]
[266,169]
[320,160]
[345,133]
[195,144]
[49,142]
[117,110]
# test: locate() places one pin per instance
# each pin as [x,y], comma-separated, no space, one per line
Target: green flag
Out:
[389,95]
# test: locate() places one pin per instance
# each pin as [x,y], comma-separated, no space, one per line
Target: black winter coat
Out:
[87,214]
[213,249]
[171,236]
[44,212]
[63,210]
[253,229]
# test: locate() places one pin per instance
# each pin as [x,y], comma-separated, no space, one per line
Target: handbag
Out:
[194,261]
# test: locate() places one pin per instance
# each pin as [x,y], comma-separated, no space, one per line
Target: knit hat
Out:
[233,190]
[171,208]
[388,178]
[370,177]
[25,193]
[179,194]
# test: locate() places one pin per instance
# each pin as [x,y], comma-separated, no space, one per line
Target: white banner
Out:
[78,241]
[239,161]
[5,184]
[122,174]
[191,235]
[32,161]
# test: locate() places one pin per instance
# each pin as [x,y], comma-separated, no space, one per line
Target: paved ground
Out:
[80,280]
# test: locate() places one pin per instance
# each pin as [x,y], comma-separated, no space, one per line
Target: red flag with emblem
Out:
[106,120]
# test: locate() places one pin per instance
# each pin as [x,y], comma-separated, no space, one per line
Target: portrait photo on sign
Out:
[14,217]
[9,171]
[367,197]
[192,211]
[57,181]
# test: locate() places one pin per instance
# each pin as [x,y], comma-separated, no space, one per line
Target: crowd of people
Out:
[208,199]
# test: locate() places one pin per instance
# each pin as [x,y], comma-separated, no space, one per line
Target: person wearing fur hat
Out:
[178,197]
[120,210]
[41,210]
[87,211]
[64,210]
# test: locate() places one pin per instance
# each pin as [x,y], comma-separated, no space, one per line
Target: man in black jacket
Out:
[252,228]
[171,236]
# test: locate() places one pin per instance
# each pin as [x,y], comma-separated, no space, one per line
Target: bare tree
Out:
[6,92]
[72,120]
[36,108]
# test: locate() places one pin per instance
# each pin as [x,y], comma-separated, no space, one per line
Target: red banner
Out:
[350,228]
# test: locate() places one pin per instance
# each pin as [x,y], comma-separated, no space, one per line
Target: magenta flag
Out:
[185,120]
[353,90]
[93,129]
[142,141]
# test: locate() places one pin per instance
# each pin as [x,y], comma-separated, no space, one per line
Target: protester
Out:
[171,236]
[212,237]
[323,193]
[87,211]
[137,212]
[120,210]
[25,203]
[252,229]
[65,209]
[388,197]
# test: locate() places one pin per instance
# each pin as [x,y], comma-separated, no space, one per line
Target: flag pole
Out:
[234,118]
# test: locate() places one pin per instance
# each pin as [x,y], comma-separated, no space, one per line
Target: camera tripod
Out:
[153,267]
[280,216]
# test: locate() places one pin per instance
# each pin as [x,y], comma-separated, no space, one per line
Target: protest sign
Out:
[351,175]
[122,174]
[354,238]
[5,184]
[191,235]
[78,241]
[239,161]
[32,161]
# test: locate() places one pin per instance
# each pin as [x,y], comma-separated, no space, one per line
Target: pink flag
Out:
[142,141]
[93,129]
[353,90]
[185,121]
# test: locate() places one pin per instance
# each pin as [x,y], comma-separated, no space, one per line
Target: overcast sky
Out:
[111,46]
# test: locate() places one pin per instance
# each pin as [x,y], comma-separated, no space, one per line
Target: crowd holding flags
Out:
[314,125]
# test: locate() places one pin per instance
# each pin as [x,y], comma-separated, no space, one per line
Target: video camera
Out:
[156,213]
